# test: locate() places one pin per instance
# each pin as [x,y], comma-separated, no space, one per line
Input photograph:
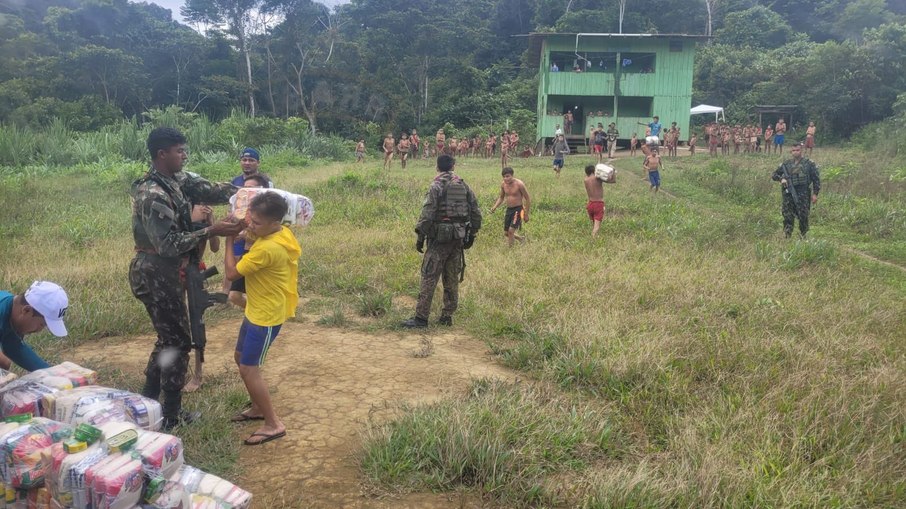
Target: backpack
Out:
[455,200]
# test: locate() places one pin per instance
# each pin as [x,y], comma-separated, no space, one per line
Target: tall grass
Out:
[725,365]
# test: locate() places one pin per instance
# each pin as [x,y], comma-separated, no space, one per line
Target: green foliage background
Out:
[370,66]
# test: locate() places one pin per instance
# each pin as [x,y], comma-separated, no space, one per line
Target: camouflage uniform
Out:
[444,259]
[164,240]
[805,181]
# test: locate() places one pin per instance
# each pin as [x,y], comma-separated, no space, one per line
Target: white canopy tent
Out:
[704,108]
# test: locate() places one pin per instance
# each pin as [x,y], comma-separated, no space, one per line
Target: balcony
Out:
[579,83]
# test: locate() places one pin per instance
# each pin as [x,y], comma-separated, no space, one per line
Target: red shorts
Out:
[598,148]
[809,141]
[595,210]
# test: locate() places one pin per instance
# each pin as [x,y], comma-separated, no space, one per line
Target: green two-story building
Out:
[621,78]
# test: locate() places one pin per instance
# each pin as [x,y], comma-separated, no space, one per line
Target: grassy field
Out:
[688,357]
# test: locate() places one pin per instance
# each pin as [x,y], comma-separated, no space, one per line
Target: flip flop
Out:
[267,438]
[242,417]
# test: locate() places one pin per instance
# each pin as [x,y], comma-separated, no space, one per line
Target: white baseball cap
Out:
[51,301]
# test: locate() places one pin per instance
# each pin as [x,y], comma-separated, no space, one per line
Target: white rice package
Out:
[161,454]
[66,479]
[204,486]
[96,405]
[115,482]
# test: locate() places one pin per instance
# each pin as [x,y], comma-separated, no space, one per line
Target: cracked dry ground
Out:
[326,383]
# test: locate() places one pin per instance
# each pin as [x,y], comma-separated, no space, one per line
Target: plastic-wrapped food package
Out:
[5,378]
[66,478]
[160,453]
[63,376]
[115,482]
[163,494]
[23,397]
[23,451]
[299,211]
[96,405]
[224,492]
[146,413]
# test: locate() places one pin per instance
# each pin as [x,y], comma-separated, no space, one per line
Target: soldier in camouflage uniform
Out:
[164,239]
[805,181]
[449,222]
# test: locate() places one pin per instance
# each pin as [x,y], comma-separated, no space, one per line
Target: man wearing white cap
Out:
[44,304]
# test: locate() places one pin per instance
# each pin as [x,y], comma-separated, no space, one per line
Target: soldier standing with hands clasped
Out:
[449,221]
[164,240]
[800,180]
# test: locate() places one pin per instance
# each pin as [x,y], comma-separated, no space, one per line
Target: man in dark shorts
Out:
[518,203]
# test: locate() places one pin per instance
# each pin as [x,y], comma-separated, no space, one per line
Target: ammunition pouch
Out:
[444,233]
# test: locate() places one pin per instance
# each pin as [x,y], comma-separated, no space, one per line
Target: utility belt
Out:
[447,231]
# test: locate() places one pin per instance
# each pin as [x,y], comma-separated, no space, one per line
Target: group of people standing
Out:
[411,147]
[751,139]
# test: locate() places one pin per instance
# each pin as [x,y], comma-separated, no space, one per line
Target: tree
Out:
[237,15]
[757,27]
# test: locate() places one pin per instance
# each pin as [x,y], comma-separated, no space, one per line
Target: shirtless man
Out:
[810,137]
[514,142]
[389,147]
[403,148]
[439,140]
[568,122]
[726,139]
[489,147]
[779,135]
[360,151]
[672,140]
[464,146]
[633,144]
[653,165]
[517,205]
[594,187]
[504,149]
[768,139]
[692,141]
[712,140]
[416,141]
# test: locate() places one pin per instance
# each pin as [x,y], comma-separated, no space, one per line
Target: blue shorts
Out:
[778,139]
[655,178]
[254,341]
[558,163]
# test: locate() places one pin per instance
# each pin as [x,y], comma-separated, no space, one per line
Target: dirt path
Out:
[326,383]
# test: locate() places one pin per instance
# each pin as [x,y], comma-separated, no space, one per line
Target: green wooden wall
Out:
[669,85]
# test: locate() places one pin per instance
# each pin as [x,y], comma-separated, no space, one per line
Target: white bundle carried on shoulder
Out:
[605,173]
[299,211]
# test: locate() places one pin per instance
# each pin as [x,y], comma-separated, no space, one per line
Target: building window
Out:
[637,63]
[634,106]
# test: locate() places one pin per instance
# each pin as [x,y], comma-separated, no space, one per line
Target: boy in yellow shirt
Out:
[271,272]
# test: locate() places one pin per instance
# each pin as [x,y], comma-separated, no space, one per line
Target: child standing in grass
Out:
[653,165]
[271,270]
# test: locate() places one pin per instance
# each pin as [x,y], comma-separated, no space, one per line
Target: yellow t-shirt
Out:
[271,271]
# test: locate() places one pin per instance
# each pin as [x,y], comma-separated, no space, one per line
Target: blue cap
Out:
[250,152]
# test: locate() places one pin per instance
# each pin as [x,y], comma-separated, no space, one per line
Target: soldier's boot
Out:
[174,415]
[445,320]
[415,323]
[152,387]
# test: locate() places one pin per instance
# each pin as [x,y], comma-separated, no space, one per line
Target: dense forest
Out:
[391,64]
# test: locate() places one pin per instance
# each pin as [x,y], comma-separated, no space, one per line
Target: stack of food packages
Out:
[68,443]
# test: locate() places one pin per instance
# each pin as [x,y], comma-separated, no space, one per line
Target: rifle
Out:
[199,300]
[793,193]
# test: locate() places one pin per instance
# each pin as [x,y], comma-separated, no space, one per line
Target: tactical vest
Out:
[454,201]
[799,173]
